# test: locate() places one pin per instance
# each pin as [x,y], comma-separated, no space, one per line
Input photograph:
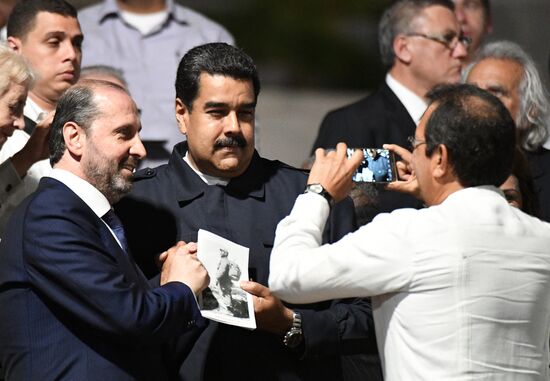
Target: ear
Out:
[401,49]
[14,43]
[441,167]
[75,139]
[182,116]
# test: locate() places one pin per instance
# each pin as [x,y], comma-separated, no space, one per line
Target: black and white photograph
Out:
[227,263]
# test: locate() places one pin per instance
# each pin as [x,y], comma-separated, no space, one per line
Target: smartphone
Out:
[378,166]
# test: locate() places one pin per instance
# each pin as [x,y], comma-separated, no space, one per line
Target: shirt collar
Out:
[32,110]
[250,183]
[210,180]
[83,189]
[110,8]
[415,105]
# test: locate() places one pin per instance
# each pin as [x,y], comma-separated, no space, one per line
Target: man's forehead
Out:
[437,18]
[48,23]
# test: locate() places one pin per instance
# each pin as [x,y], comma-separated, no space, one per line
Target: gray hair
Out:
[534,111]
[77,105]
[399,19]
[14,69]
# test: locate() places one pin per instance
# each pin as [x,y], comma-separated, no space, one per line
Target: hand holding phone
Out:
[378,166]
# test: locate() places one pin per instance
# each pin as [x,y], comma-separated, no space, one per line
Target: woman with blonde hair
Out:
[16,78]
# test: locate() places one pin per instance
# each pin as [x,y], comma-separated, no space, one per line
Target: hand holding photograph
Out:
[227,263]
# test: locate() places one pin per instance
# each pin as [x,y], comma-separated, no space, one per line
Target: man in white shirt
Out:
[459,289]
[47,34]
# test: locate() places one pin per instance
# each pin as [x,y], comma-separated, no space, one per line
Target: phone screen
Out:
[378,166]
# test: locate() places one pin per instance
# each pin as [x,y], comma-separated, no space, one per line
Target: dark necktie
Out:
[115,224]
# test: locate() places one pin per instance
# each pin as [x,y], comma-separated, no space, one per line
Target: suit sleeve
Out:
[70,268]
[342,326]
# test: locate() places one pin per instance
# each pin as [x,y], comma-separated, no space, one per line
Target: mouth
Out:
[67,75]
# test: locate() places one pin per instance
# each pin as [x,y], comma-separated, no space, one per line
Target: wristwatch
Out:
[318,189]
[294,337]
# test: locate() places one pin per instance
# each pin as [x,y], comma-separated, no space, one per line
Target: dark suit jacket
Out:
[74,306]
[177,203]
[540,168]
[375,120]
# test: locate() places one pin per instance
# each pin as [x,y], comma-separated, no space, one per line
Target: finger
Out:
[192,247]
[255,288]
[341,150]
[163,256]
[404,153]
[356,159]
[319,154]
[181,243]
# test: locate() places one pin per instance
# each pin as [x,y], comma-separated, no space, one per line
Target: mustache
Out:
[230,141]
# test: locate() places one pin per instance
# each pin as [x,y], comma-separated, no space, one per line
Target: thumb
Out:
[255,288]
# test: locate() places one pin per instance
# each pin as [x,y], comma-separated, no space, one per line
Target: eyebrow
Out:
[60,33]
[225,105]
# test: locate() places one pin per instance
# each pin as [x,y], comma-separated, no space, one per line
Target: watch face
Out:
[315,188]
[293,338]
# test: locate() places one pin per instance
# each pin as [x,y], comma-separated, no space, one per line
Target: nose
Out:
[71,51]
[232,123]
[460,51]
[19,123]
[137,148]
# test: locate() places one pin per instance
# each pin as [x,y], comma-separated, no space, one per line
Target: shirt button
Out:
[9,187]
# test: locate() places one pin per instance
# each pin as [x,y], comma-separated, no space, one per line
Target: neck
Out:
[443,192]
[142,6]
[43,102]
[407,79]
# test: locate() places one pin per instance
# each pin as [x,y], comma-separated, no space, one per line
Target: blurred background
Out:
[317,55]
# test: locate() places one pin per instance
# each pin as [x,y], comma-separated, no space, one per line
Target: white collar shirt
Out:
[414,105]
[459,290]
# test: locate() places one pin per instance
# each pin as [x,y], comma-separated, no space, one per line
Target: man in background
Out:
[146,40]
[421,45]
[47,34]
[474,17]
[506,70]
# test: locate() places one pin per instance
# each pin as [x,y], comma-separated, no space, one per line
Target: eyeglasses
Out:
[450,41]
[414,143]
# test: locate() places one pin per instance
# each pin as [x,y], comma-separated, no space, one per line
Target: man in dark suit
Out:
[47,34]
[421,46]
[74,304]
[218,182]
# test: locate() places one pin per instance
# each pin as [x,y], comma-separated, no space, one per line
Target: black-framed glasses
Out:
[450,41]
[415,143]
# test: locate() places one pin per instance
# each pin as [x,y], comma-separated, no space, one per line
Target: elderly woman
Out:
[15,80]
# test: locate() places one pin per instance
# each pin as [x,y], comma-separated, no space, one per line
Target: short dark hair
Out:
[77,105]
[476,129]
[214,58]
[398,19]
[23,16]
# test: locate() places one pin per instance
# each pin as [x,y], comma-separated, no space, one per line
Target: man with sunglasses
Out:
[421,45]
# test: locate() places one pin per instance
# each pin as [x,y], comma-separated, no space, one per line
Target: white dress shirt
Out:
[414,105]
[87,192]
[460,290]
